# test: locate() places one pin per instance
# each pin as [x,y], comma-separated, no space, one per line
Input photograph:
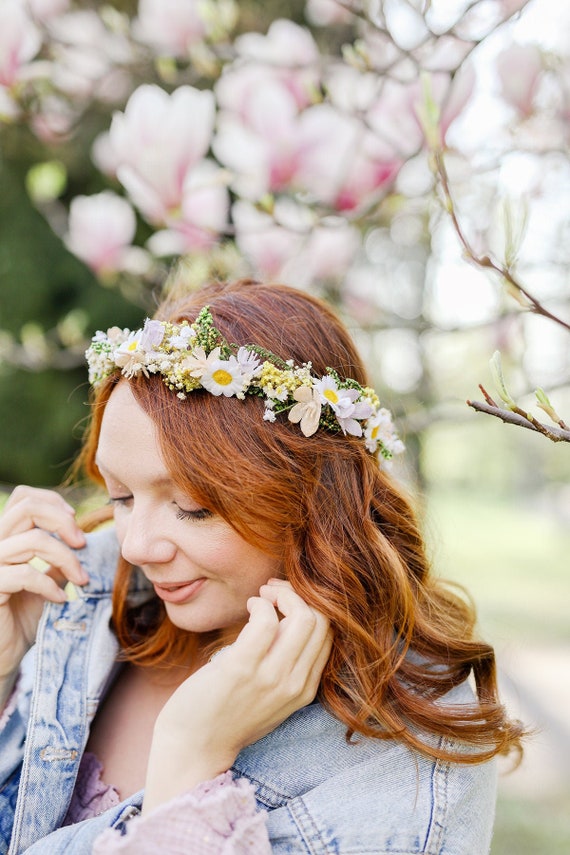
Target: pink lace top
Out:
[91,795]
[218,817]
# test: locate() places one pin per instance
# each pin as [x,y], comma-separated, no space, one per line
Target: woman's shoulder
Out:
[366,795]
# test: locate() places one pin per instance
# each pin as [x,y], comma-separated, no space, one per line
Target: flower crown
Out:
[197,356]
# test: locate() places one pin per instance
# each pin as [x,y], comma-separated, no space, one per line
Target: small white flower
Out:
[182,339]
[197,361]
[308,410]
[268,415]
[380,429]
[248,360]
[152,335]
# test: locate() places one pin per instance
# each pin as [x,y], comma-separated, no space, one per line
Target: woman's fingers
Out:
[23,547]
[23,577]
[288,654]
[29,507]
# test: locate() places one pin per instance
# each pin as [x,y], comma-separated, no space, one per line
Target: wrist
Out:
[180,760]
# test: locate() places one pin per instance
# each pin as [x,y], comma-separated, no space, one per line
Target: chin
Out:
[201,623]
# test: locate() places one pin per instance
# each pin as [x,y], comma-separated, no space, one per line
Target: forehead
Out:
[128,440]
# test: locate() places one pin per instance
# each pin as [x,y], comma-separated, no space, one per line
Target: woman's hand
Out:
[28,524]
[271,670]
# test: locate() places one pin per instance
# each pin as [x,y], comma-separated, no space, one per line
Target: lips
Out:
[178,593]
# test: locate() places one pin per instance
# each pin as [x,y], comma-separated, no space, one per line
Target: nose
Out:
[143,539]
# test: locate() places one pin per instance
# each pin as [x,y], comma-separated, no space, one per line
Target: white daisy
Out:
[222,376]
[380,429]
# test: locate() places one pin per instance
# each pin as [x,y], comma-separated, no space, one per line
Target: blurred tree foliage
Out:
[40,281]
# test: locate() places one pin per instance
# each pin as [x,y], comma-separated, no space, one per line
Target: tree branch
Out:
[485,261]
[521,420]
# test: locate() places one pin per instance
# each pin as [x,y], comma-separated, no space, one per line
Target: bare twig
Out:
[485,261]
[521,419]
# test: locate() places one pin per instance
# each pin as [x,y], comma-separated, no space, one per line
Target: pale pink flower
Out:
[323,13]
[267,245]
[170,27]
[100,231]
[263,147]
[202,216]
[44,10]
[272,147]
[155,144]
[295,250]
[20,41]
[394,116]
[287,58]
[519,68]
[85,54]
[286,44]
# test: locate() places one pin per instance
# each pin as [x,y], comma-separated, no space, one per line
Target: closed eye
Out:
[198,514]
[119,500]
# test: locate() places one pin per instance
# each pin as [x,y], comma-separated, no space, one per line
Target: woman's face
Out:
[199,566]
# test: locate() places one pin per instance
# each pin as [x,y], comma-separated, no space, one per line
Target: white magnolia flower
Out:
[308,410]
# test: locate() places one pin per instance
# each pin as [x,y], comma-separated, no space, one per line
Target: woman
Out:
[239,444]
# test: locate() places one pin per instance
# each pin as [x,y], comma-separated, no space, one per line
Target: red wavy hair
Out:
[348,538]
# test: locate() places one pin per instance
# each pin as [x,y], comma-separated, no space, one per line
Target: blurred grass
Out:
[514,561]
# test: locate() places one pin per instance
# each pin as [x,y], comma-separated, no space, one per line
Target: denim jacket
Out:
[322,794]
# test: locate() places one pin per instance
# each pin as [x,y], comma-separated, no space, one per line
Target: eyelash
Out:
[181,514]
[200,514]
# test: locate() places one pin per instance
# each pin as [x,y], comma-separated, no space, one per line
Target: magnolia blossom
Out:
[290,246]
[273,147]
[44,10]
[262,241]
[519,68]
[156,142]
[20,41]
[265,146]
[323,13]
[288,53]
[394,117]
[85,53]
[171,27]
[100,232]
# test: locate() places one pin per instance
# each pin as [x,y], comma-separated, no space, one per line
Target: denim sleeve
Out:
[413,806]
[78,839]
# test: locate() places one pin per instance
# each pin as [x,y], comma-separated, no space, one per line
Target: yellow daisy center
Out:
[222,377]
[374,433]
[331,396]
[133,345]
